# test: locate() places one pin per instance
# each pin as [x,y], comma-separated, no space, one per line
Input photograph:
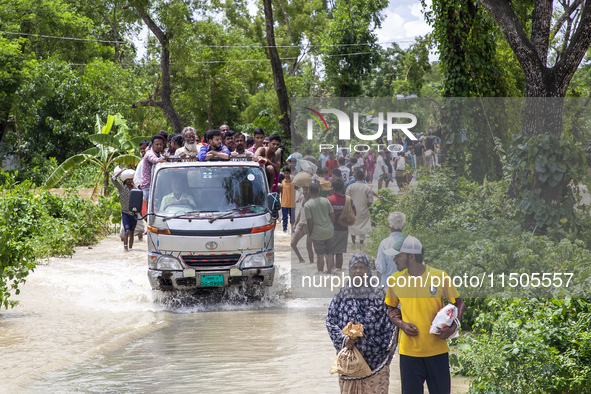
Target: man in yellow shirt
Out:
[421,291]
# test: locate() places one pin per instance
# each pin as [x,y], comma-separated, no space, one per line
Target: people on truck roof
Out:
[215,150]
[152,156]
[175,142]
[259,138]
[270,158]
[228,140]
[191,147]
[165,135]
[240,141]
[249,143]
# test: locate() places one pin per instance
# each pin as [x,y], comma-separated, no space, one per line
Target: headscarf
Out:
[360,258]
[350,291]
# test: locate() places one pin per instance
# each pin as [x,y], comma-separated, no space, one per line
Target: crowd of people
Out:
[341,175]
[215,145]
[332,205]
[356,171]
[388,314]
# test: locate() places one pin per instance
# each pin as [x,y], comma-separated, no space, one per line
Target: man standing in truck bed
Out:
[152,156]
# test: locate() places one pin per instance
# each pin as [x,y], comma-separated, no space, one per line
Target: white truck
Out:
[210,224]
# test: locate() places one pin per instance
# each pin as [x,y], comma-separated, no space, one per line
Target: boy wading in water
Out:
[127,217]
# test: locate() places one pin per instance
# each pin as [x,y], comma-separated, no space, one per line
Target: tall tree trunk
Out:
[544,86]
[280,87]
[165,103]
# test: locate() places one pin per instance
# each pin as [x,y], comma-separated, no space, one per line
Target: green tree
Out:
[399,71]
[109,150]
[34,21]
[467,41]
[276,66]
[549,57]
[209,71]
[112,24]
[171,17]
[350,51]
[14,68]
[57,107]
[32,29]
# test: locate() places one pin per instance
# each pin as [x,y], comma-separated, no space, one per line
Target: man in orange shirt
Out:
[287,199]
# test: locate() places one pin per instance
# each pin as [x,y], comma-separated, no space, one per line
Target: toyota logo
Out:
[211,245]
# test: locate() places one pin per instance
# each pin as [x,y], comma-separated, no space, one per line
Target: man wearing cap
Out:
[385,264]
[423,356]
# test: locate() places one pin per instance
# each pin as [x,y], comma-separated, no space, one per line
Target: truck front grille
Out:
[218,260]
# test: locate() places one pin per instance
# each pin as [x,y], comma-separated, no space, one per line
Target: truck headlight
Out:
[255,261]
[164,263]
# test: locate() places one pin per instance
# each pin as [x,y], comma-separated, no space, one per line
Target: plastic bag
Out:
[350,362]
[445,318]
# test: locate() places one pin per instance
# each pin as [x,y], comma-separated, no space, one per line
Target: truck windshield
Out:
[198,190]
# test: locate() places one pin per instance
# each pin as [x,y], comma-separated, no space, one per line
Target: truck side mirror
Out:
[273,202]
[136,198]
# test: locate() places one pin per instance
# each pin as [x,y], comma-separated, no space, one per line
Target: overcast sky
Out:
[403,21]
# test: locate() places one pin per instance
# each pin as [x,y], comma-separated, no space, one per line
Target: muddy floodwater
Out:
[90,323]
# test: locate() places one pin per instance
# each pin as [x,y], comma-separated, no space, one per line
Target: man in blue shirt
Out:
[215,150]
[296,155]
[385,264]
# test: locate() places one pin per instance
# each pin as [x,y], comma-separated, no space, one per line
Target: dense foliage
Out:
[528,345]
[37,225]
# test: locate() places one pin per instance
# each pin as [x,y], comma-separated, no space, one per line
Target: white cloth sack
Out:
[308,166]
[445,318]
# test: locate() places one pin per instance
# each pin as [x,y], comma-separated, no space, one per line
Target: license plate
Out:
[212,280]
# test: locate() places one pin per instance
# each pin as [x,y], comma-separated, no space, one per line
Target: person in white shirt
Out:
[359,165]
[399,168]
[345,172]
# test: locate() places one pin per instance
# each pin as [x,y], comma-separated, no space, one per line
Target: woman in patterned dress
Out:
[363,304]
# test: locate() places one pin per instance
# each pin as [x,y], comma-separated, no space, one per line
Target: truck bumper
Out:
[177,280]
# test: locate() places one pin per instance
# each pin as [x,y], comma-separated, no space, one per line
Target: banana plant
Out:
[109,150]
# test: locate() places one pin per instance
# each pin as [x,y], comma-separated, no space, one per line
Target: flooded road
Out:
[89,324]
